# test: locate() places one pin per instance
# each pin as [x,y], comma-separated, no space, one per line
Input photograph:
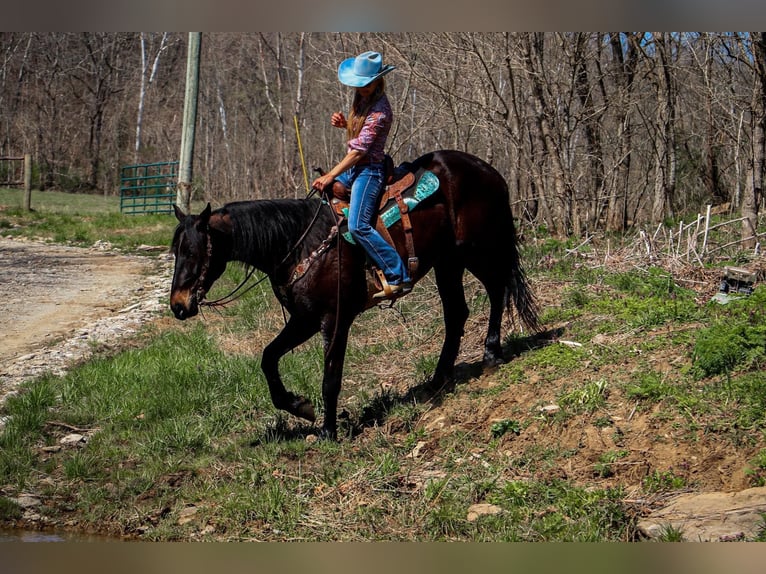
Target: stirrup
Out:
[393,291]
[389,291]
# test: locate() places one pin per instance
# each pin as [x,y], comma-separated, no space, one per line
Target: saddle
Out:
[403,191]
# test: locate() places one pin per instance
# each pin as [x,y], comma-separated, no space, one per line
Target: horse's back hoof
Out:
[493,360]
[328,435]
[492,364]
[435,387]
[304,409]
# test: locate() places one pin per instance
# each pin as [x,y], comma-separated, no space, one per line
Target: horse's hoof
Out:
[493,358]
[304,409]
[436,386]
[328,434]
[492,361]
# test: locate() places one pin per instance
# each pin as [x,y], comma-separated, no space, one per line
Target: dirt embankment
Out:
[55,301]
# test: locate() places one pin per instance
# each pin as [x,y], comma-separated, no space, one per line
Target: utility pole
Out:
[183,194]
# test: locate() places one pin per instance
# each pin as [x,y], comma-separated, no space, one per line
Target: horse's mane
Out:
[264,231]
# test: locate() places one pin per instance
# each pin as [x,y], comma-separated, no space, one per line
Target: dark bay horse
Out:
[466,224]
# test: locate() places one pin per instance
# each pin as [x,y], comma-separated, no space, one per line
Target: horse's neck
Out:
[269,246]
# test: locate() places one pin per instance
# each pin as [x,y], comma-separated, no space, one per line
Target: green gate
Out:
[148,187]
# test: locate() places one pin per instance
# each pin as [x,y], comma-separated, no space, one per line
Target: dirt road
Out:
[56,301]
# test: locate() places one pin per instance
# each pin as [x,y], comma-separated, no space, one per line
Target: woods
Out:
[600,131]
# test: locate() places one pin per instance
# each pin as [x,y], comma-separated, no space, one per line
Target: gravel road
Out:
[56,301]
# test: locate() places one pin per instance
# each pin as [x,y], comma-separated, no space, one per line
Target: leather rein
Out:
[237,292]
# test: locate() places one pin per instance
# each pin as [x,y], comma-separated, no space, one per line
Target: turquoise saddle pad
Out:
[425,186]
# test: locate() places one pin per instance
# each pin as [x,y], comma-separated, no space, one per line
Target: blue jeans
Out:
[365,183]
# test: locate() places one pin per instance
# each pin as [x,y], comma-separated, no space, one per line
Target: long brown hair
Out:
[360,107]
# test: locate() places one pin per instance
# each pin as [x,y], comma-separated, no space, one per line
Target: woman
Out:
[362,169]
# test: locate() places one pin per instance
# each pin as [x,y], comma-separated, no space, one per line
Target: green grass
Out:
[179,422]
[735,339]
[586,398]
[605,466]
[62,203]
[81,219]
[182,417]
[756,470]
[663,480]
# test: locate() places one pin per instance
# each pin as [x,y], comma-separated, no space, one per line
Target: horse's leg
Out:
[493,351]
[449,281]
[491,275]
[295,332]
[335,342]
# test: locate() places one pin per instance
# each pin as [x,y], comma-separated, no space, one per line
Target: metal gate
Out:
[148,187]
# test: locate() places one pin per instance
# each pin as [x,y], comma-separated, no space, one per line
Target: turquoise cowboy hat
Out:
[362,70]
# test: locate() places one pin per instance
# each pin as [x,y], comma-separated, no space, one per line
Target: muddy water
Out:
[36,536]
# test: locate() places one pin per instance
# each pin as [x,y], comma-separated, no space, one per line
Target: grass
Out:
[183,442]
[736,338]
[179,422]
[663,481]
[756,470]
[55,202]
[81,219]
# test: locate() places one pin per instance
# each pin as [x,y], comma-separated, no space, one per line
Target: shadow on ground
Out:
[376,412]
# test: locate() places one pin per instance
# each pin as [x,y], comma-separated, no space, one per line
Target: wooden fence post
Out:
[707,230]
[27,182]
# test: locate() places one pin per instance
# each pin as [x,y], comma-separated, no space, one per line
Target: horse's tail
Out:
[518,289]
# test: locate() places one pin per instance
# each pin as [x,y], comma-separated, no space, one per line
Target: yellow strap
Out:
[300,151]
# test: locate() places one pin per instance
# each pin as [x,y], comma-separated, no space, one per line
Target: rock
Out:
[187,515]
[26,501]
[482,509]
[72,439]
[550,410]
[710,517]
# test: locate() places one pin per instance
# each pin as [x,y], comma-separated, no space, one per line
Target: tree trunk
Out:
[625,60]
[665,158]
[754,186]
[561,199]
[591,121]
[146,83]
[710,175]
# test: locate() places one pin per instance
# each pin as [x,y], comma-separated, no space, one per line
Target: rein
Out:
[235,293]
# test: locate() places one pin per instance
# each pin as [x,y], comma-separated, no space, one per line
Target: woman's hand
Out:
[338,120]
[351,159]
[322,182]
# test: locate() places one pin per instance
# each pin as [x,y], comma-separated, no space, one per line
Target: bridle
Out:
[238,292]
[231,296]
[200,291]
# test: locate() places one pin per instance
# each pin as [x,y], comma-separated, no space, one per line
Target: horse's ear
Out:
[204,218]
[180,215]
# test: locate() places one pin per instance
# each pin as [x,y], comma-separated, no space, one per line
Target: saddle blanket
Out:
[425,184]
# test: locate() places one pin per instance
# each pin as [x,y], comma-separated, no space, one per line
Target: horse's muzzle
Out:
[184,305]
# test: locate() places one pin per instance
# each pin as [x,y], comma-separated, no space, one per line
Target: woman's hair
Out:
[361,107]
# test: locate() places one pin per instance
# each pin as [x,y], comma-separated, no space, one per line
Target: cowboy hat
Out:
[362,70]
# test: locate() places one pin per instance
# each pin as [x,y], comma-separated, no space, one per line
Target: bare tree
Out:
[625,52]
[148,74]
[665,119]
[553,182]
[560,115]
[754,186]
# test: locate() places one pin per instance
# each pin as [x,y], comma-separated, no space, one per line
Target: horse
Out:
[324,282]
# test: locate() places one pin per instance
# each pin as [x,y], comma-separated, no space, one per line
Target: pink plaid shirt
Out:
[372,137]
